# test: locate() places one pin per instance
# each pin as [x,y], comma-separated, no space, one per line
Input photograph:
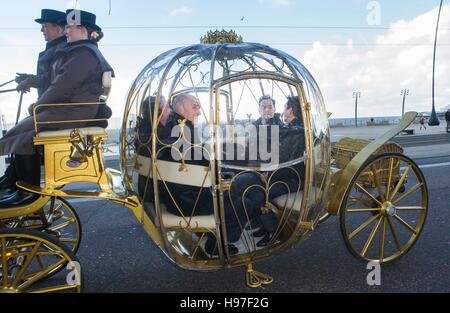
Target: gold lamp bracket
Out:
[256,279]
[82,148]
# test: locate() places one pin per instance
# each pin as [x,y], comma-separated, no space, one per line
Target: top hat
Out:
[52,16]
[84,18]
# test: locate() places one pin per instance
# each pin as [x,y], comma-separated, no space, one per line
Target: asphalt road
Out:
[117,255]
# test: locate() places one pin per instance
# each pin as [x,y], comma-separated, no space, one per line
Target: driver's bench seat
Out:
[87,131]
[75,155]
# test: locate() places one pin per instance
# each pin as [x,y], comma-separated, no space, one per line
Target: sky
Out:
[375,47]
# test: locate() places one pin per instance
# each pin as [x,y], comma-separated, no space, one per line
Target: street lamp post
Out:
[434,121]
[356,96]
[404,93]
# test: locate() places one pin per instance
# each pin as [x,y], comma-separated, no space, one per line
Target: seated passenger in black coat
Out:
[183,146]
[143,142]
[291,147]
[192,200]
[287,179]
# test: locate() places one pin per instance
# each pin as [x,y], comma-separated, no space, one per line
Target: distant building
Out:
[444,109]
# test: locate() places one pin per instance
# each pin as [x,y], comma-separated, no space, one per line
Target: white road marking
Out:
[84,200]
[435,165]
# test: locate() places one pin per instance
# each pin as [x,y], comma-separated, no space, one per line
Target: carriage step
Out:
[129,201]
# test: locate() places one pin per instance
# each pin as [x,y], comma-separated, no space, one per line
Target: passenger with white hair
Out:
[186,110]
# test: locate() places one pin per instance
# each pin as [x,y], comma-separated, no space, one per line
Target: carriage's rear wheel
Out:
[28,257]
[383,221]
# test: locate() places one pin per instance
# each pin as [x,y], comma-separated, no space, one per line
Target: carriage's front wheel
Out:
[382,218]
[28,257]
[57,218]
[64,222]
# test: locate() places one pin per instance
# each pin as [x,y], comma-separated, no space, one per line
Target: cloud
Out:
[401,58]
[277,3]
[181,11]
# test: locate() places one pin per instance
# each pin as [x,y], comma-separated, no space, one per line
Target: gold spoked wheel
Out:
[384,210]
[28,256]
[57,218]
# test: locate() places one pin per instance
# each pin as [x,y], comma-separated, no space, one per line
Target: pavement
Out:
[372,132]
[117,255]
[433,142]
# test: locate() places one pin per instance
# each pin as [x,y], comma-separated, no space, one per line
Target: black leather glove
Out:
[21,77]
[24,86]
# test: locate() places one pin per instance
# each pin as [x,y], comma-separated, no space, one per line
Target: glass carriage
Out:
[226,159]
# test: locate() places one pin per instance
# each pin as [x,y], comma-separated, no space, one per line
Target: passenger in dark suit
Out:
[264,127]
[286,179]
[291,147]
[267,110]
[185,111]
[144,125]
[143,143]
